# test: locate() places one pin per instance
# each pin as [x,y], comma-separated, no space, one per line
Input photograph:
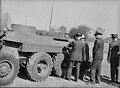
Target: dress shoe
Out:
[98,82]
[76,80]
[116,81]
[90,83]
[68,79]
[112,81]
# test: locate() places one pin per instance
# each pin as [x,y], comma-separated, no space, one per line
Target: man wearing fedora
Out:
[95,68]
[77,56]
[114,58]
[85,64]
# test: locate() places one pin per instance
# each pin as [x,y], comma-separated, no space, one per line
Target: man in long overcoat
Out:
[77,56]
[97,59]
[114,58]
[85,64]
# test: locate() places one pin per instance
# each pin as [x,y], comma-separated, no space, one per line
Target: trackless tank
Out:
[38,54]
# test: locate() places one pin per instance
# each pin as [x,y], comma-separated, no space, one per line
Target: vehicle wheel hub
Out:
[5,69]
[42,68]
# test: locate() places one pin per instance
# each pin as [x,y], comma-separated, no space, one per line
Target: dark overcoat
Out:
[87,51]
[98,49]
[113,56]
[78,51]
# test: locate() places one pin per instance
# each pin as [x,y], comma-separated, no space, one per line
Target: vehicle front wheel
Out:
[9,68]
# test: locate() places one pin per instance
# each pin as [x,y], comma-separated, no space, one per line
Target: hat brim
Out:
[83,38]
[113,37]
[77,35]
[97,34]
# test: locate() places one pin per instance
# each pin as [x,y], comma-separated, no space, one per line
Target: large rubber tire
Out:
[57,64]
[39,66]
[9,68]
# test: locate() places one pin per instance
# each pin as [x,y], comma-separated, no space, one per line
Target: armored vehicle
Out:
[38,54]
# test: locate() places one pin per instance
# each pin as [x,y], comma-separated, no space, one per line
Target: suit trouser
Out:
[77,65]
[95,70]
[65,69]
[114,65]
[82,70]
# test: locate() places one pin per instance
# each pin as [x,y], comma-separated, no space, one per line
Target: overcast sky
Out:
[93,13]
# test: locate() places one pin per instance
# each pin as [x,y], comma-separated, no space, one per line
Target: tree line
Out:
[61,32]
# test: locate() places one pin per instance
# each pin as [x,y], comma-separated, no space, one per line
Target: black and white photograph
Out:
[60,43]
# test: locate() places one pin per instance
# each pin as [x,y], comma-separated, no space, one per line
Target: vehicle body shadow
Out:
[23,73]
[106,80]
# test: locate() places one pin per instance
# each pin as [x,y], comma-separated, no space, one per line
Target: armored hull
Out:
[39,55]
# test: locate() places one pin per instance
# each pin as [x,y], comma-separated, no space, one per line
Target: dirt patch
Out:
[53,81]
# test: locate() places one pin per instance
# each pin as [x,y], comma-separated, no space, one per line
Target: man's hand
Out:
[108,61]
[91,59]
[118,53]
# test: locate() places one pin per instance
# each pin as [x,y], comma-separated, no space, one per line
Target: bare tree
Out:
[42,32]
[83,29]
[100,29]
[58,32]
[63,29]
[6,21]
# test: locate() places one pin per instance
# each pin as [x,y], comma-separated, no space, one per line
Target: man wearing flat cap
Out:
[77,56]
[97,59]
[114,58]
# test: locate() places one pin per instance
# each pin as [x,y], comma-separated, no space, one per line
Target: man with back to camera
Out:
[85,64]
[114,57]
[97,59]
[77,56]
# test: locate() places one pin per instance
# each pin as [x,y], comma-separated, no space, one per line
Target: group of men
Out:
[80,53]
